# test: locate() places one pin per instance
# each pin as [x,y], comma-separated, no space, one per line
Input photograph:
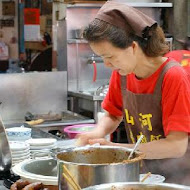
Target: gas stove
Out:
[8,178]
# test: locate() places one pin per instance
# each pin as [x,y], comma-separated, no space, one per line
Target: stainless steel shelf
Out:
[137,4]
[87,96]
[58,124]
[151,5]
[85,5]
[76,41]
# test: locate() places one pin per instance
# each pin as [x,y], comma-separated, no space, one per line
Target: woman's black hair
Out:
[152,46]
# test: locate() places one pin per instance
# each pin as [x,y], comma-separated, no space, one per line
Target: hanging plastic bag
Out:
[4,51]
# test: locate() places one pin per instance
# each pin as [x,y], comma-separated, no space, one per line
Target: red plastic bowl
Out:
[73,130]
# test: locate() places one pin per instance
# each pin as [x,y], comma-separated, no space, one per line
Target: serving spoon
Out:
[135,147]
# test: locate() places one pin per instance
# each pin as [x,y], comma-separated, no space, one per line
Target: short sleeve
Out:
[176,100]
[112,103]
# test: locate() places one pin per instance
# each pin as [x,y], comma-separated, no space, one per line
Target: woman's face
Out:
[122,60]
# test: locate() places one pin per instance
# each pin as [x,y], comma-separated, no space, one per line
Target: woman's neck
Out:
[147,66]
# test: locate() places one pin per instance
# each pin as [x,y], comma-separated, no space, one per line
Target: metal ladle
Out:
[5,152]
[135,147]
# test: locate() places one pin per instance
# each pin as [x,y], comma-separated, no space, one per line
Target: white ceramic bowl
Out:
[153,178]
[18,133]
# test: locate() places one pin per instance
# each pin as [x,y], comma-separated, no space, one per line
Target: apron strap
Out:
[123,85]
[158,87]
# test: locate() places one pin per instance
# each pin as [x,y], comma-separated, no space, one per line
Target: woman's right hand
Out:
[107,125]
[83,139]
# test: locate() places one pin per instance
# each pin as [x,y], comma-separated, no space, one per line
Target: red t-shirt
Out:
[181,56]
[175,96]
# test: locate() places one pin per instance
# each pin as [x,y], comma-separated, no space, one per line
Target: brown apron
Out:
[143,115]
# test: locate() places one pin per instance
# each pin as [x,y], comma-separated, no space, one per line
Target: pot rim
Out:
[120,184]
[88,147]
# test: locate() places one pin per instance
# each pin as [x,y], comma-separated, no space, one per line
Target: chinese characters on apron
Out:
[143,115]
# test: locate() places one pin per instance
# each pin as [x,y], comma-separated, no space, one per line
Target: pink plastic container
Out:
[73,130]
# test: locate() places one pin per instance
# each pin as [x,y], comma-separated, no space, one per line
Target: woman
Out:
[148,91]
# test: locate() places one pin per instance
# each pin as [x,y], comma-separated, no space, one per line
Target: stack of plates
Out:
[40,145]
[19,151]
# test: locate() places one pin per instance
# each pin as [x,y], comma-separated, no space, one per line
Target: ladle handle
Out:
[135,147]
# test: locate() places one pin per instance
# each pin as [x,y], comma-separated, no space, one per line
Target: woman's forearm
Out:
[108,124]
[173,146]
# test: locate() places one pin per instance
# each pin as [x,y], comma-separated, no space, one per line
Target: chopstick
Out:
[70,179]
[146,176]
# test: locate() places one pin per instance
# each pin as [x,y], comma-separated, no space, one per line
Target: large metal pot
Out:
[138,186]
[92,165]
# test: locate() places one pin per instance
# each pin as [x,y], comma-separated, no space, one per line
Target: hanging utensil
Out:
[135,147]
[5,152]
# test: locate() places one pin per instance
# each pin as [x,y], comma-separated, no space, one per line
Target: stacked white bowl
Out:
[17,137]
[18,133]
[20,151]
[39,147]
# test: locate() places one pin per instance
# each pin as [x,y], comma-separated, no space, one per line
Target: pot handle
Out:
[42,153]
[54,151]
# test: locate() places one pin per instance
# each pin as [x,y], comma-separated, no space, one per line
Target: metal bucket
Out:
[138,186]
[93,165]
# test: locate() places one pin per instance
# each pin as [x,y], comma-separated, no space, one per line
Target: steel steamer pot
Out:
[94,165]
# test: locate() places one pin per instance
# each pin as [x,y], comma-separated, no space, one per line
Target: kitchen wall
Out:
[37,92]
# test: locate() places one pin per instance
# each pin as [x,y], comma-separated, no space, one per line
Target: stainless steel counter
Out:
[69,118]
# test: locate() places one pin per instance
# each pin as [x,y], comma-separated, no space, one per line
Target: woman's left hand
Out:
[101,141]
